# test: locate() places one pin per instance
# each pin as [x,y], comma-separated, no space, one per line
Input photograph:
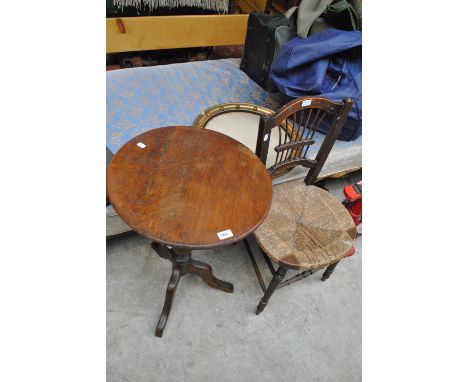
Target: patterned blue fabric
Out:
[140,99]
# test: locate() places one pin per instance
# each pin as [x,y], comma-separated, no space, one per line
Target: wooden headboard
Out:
[128,34]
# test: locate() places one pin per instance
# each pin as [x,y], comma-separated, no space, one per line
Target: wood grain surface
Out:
[128,34]
[186,185]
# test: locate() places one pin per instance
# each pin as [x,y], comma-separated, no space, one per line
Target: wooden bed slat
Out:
[127,34]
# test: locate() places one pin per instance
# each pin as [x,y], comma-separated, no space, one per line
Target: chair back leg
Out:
[277,278]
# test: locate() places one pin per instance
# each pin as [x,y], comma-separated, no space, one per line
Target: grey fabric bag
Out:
[308,12]
[313,16]
[283,34]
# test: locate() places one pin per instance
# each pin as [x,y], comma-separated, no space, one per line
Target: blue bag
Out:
[325,64]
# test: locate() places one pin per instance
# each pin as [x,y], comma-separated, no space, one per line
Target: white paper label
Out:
[307,102]
[142,145]
[225,234]
[265,138]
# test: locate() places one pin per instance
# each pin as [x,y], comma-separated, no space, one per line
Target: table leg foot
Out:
[206,273]
[170,292]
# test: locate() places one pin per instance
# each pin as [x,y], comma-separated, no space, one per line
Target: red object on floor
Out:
[353,201]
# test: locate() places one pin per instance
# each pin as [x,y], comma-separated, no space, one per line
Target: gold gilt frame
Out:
[213,111]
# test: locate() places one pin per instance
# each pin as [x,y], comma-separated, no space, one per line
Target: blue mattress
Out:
[140,99]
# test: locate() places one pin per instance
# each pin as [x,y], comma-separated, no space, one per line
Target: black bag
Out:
[265,36]
[341,15]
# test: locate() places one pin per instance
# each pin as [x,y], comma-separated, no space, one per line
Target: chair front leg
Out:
[329,271]
[277,278]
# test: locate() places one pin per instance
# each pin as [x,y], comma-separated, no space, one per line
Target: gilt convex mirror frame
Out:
[208,114]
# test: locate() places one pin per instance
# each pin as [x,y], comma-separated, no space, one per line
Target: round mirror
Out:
[240,121]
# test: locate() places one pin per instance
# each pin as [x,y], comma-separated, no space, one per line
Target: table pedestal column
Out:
[182,263]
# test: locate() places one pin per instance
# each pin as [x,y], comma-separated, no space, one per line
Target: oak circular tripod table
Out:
[188,188]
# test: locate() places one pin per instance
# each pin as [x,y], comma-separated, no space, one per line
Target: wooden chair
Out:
[306,228]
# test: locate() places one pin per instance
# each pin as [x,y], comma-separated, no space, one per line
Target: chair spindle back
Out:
[302,117]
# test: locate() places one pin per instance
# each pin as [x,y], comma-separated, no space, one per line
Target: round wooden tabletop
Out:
[189,188]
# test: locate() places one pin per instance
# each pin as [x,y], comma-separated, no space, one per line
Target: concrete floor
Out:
[309,331]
